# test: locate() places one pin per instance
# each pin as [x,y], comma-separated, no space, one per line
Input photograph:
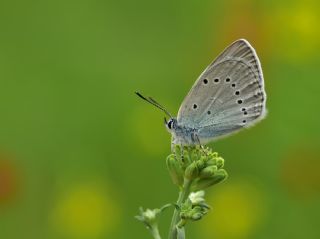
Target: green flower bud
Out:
[193,155]
[148,217]
[220,162]
[194,213]
[186,157]
[214,155]
[201,163]
[177,151]
[209,171]
[218,177]
[197,216]
[203,158]
[175,170]
[212,161]
[192,171]
[196,198]
[194,207]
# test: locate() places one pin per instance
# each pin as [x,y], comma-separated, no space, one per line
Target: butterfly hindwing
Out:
[228,95]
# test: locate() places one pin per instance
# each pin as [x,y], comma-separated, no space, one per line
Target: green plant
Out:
[192,169]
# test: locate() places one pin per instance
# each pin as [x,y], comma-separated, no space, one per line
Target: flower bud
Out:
[194,213]
[214,154]
[201,163]
[197,216]
[209,171]
[148,217]
[218,177]
[196,198]
[175,170]
[220,162]
[194,154]
[177,151]
[212,161]
[192,171]
[185,157]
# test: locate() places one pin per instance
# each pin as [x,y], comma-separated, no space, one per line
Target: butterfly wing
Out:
[227,96]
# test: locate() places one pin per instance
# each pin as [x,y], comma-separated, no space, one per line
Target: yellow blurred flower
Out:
[86,211]
[294,30]
[237,210]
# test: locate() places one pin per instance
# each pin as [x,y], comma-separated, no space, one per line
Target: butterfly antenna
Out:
[155,103]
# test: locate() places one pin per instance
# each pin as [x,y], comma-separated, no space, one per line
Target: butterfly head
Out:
[171,124]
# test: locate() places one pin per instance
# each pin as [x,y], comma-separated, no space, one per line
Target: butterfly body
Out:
[227,97]
[182,135]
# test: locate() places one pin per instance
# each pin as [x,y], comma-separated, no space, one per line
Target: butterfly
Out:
[228,96]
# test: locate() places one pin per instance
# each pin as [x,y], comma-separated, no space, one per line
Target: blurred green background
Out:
[79,152]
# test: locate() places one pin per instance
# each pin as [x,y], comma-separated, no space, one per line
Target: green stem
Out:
[184,193]
[155,232]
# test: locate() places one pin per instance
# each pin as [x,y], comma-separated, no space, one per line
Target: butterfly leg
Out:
[181,152]
[196,139]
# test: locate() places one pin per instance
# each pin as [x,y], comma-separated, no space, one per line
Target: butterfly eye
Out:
[170,124]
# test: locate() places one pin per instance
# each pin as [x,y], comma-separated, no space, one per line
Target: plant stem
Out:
[155,232]
[184,192]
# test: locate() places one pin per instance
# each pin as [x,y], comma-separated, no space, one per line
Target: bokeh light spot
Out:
[86,211]
[300,172]
[297,32]
[237,210]
[9,179]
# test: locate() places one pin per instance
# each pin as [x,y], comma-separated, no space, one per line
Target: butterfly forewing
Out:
[228,95]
